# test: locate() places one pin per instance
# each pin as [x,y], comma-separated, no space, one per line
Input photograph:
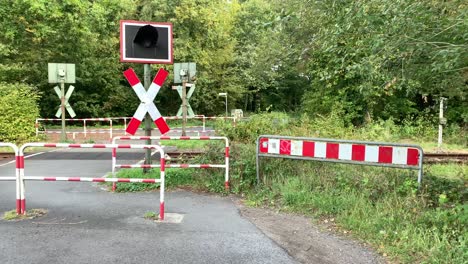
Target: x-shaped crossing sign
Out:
[146,98]
[67,104]
[189,94]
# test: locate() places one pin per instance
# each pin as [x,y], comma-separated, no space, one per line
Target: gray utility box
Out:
[186,70]
[59,72]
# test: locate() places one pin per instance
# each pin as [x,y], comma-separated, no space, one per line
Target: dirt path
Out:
[305,242]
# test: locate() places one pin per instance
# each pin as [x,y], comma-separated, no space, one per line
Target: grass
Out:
[151,216]
[175,177]
[378,205]
[448,171]
[30,214]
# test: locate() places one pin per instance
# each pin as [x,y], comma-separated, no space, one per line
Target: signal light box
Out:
[146,42]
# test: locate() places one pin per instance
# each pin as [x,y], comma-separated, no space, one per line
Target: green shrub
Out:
[18,111]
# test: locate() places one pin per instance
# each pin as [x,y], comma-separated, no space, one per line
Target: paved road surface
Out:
[86,224]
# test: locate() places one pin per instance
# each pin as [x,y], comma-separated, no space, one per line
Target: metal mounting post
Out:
[147,83]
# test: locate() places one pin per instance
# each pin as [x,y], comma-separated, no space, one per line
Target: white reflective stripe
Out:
[140,112]
[320,149]
[140,91]
[153,111]
[372,154]
[399,155]
[69,92]
[273,146]
[345,152]
[296,147]
[153,91]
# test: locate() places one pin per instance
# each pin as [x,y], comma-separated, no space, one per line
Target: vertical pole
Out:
[37,127]
[147,82]
[62,107]
[441,116]
[84,127]
[184,107]
[110,130]
[226,107]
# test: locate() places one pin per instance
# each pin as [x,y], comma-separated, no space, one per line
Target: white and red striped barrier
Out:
[203,166]
[341,151]
[21,203]
[16,177]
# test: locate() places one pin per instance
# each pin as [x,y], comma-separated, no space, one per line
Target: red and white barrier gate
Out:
[14,178]
[20,166]
[203,166]
[341,151]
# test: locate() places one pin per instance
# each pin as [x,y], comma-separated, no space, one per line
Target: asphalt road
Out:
[86,224]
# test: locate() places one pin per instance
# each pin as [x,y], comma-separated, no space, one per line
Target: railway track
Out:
[428,157]
[446,158]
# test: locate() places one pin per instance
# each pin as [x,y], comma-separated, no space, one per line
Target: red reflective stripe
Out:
[123,180]
[162,125]
[160,77]
[74,145]
[184,138]
[125,166]
[50,179]
[413,157]
[227,152]
[308,148]
[263,145]
[146,166]
[358,152]
[50,145]
[285,147]
[204,166]
[161,211]
[333,150]
[163,164]
[133,126]
[385,154]
[74,179]
[114,152]
[99,180]
[149,181]
[205,138]
[20,162]
[184,165]
[124,146]
[131,77]
[99,146]
[165,138]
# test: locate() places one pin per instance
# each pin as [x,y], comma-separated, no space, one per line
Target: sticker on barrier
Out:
[203,166]
[21,202]
[341,151]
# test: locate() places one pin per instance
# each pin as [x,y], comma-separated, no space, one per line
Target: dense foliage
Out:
[373,59]
[19,109]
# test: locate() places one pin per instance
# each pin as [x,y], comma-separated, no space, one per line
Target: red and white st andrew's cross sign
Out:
[146,98]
